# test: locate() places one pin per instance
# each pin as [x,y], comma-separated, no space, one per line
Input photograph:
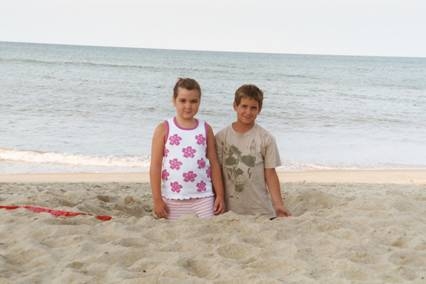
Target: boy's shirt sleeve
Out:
[272,155]
[219,147]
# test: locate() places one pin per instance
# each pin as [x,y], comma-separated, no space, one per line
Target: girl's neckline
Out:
[185,128]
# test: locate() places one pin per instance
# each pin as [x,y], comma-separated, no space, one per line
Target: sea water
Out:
[93,109]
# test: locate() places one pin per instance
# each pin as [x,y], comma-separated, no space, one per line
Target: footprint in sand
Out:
[76,265]
[234,251]
[104,198]
[196,268]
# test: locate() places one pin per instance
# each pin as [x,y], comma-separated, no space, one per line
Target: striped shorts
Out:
[202,207]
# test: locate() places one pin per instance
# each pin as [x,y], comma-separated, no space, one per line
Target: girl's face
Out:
[187,103]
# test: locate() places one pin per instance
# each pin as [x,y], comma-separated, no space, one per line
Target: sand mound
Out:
[344,233]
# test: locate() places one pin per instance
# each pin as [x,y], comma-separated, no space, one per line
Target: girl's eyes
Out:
[191,101]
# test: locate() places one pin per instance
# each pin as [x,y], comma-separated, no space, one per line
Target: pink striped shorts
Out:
[202,207]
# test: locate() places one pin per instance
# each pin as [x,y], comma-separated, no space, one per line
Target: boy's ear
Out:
[235,106]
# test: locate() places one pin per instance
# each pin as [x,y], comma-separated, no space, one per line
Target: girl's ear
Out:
[235,106]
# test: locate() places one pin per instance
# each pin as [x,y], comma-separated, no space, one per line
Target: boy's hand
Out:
[160,209]
[282,212]
[219,206]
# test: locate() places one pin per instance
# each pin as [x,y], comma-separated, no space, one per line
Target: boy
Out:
[248,156]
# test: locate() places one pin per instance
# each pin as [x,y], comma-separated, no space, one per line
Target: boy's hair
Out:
[249,91]
[186,83]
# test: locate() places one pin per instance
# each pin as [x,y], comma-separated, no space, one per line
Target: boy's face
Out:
[247,111]
[187,103]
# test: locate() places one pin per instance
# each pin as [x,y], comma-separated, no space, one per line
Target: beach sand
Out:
[347,227]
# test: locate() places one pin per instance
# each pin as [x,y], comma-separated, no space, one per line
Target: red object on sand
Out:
[9,207]
[103,217]
[54,212]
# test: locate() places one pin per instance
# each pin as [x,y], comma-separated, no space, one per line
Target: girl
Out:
[185,174]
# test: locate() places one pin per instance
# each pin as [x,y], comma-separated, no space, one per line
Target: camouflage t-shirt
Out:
[243,158]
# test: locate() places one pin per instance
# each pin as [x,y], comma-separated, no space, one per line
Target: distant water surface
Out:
[79,108]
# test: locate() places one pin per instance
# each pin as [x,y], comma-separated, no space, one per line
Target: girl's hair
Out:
[249,91]
[186,83]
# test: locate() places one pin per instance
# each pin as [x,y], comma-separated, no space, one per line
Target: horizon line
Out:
[218,51]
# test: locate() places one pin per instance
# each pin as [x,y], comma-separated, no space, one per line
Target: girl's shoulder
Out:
[162,129]
[162,126]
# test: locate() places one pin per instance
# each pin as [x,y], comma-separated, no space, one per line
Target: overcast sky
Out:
[352,27]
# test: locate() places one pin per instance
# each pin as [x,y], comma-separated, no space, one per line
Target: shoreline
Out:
[371,176]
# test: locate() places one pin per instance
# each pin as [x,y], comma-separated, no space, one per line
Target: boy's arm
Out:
[219,204]
[274,187]
[157,151]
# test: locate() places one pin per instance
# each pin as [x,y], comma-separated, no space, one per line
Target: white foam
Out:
[39,157]
[298,166]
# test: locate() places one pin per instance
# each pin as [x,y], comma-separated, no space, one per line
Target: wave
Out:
[34,161]
[116,65]
[39,157]
[298,166]
[88,63]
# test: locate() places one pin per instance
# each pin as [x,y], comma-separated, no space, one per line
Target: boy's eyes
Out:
[250,107]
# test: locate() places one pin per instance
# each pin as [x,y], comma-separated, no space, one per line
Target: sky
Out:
[341,27]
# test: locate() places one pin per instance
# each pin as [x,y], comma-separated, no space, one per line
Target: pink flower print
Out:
[200,139]
[164,175]
[189,176]
[201,186]
[174,139]
[188,152]
[175,186]
[175,164]
[201,163]
[166,152]
[209,172]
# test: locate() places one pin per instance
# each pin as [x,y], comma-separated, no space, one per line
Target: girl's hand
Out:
[219,206]
[160,209]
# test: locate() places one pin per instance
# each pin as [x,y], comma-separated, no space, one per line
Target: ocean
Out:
[93,109]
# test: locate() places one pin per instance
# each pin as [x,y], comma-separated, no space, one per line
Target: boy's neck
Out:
[241,127]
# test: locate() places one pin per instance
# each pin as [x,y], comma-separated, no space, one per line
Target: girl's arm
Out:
[157,151]
[274,188]
[219,204]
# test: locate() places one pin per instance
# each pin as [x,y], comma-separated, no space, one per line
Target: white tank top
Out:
[186,170]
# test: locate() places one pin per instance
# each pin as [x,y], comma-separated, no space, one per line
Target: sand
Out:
[341,232]
[374,176]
